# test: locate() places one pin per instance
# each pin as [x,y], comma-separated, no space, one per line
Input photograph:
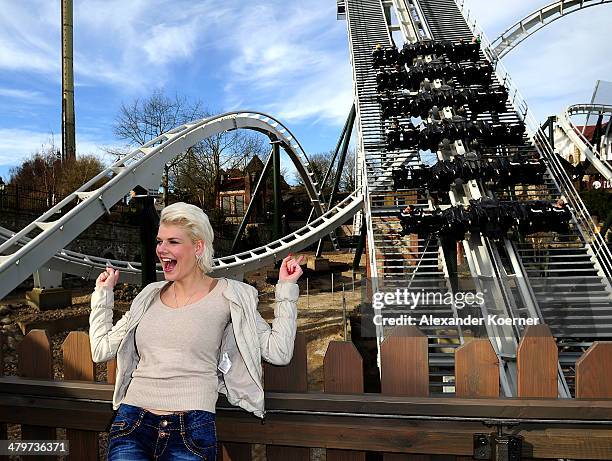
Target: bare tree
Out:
[40,172]
[212,157]
[320,162]
[146,119]
[195,175]
[347,180]
[77,172]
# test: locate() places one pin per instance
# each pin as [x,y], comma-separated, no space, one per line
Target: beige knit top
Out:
[179,352]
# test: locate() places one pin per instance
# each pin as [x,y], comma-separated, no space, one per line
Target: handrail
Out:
[545,411]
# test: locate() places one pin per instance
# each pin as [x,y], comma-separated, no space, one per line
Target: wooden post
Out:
[78,365]
[342,370]
[111,371]
[36,361]
[476,370]
[536,361]
[404,362]
[290,378]
[594,373]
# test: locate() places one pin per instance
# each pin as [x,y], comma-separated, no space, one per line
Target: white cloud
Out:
[27,40]
[17,144]
[291,61]
[168,43]
[558,65]
[23,95]
[115,42]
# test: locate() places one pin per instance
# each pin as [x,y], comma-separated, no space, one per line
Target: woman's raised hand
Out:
[290,270]
[107,279]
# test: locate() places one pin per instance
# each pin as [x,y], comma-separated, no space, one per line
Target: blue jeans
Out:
[138,435]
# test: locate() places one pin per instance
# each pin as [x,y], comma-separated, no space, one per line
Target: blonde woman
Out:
[184,340]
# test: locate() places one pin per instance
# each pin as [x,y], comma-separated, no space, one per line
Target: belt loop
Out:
[141,416]
[182,422]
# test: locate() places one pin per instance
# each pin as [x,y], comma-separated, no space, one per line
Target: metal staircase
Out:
[397,261]
[509,270]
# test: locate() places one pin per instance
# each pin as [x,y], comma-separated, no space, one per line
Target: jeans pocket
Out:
[121,427]
[202,440]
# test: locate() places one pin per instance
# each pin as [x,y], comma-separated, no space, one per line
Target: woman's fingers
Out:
[108,278]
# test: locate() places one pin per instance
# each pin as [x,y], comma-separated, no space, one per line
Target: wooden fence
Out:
[402,422]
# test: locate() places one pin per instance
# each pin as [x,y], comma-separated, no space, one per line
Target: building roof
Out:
[590,130]
[254,165]
[232,184]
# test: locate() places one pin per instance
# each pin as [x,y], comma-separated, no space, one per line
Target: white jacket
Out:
[246,340]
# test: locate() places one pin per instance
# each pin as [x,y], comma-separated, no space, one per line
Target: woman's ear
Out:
[199,248]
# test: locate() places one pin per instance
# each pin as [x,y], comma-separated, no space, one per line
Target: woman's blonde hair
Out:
[195,222]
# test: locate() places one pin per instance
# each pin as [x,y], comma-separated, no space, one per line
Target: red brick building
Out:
[236,189]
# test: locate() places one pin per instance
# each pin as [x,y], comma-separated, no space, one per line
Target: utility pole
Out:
[68,123]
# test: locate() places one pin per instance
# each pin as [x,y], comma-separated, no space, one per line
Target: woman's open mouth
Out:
[168,264]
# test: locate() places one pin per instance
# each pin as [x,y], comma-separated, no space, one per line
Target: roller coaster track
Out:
[88,266]
[536,20]
[511,269]
[566,278]
[584,145]
[49,233]
[396,261]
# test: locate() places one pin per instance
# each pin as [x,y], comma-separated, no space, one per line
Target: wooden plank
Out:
[550,441]
[343,372]
[594,373]
[397,436]
[78,365]
[35,358]
[536,360]
[290,378]
[404,363]
[342,368]
[476,370]
[35,361]
[75,393]
[404,370]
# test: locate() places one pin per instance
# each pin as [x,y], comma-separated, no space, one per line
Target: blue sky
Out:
[287,58]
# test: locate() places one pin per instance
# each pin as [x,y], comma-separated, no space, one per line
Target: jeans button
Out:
[164,423]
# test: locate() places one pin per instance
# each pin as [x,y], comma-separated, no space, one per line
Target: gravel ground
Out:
[320,315]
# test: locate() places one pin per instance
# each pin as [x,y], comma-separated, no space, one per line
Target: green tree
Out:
[44,176]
